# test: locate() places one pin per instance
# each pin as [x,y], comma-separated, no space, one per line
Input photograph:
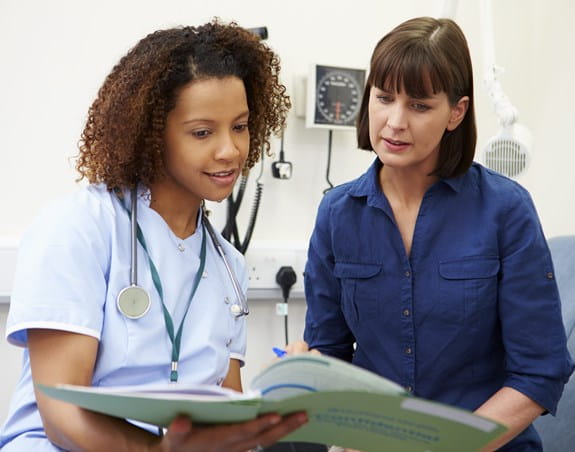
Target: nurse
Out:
[175,123]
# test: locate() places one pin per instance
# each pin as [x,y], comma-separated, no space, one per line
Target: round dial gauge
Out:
[338,97]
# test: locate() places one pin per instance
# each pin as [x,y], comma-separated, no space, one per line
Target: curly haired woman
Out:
[175,123]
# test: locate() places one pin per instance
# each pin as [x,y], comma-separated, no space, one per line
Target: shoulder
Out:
[344,193]
[86,210]
[498,187]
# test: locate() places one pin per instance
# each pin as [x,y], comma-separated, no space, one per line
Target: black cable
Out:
[328,163]
[286,326]
[230,231]
[255,207]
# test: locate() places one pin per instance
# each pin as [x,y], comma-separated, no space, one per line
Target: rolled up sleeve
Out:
[538,365]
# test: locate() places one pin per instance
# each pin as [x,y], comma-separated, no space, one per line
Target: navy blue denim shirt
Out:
[473,308]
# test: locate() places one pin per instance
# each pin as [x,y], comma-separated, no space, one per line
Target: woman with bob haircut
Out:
[448,288]
[176,121]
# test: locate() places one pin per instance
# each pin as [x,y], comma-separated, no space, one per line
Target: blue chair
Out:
[558,434]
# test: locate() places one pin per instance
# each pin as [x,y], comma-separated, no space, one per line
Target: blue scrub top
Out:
[473,308]
[72,263]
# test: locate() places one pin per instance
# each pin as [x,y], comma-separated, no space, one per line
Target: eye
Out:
[420,107]
[241,127]
[202,133]
[385,98]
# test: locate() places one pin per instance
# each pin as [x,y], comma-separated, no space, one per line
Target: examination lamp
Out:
[509,152]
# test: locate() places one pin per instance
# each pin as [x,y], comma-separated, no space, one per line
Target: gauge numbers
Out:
[338,93]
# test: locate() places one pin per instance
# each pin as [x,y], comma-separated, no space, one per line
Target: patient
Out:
[430,269]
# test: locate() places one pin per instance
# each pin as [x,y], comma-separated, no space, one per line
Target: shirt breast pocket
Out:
[468,287]
[359,290]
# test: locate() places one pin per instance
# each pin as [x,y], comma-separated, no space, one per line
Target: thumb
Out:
[180,425]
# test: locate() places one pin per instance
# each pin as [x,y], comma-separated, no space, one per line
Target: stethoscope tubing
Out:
[134,239]
[222,253]
[238,309]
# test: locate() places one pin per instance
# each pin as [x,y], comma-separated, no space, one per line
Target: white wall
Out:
[54,56]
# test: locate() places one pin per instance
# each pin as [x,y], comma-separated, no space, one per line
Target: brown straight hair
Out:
[425,56]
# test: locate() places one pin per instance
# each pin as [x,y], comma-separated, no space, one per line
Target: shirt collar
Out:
[368,184]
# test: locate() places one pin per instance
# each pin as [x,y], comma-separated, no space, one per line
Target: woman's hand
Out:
[183,435]
[62,357]
[298,347]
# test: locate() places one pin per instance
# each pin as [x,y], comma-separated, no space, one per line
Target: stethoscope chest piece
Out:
[133,301]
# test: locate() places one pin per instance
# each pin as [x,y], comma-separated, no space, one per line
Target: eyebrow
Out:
[240,116]
[426,97]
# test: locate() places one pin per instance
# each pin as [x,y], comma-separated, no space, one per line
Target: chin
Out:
[217,198]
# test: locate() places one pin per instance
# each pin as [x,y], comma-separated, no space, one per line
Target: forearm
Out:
[63,357]
[75,429]
[511,408]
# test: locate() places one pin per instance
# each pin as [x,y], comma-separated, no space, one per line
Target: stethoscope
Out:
[134,301]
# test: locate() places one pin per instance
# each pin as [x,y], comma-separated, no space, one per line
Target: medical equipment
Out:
[134,301]
[334,96]
[509,151]
[241,306]
[230,231]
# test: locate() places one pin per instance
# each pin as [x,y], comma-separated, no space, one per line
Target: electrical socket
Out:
[265,258]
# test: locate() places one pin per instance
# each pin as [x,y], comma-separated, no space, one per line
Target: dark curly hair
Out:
[122,142]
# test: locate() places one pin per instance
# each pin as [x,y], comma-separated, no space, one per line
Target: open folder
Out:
[346,405]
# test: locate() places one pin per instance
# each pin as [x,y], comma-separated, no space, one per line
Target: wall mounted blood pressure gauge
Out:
[334,96]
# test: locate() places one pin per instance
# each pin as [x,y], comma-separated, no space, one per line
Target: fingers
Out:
[181,425]
[298,347]
[177,434]
[263,431]
[276,432]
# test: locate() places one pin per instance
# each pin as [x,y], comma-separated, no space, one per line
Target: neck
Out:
[178,208]
[404,187]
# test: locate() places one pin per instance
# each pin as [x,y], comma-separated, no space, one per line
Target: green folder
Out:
[346,406]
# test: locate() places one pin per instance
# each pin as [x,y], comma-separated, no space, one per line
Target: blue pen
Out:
[279,352]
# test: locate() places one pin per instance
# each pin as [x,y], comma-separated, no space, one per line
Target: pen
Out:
[279,352]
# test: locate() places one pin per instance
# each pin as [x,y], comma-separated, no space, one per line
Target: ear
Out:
[458,113]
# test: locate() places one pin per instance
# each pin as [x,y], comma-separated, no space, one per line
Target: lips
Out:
[223,178]
[222,173]
[395,142]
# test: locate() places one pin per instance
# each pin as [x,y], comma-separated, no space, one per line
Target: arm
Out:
[61,357]
[325,326]
[233,379]
[537,362]
[533,335]
[511,408]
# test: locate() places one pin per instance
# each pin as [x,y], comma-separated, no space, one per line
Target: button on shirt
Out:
[453,320]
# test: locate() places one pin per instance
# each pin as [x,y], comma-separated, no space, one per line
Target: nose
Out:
[397,118]
[228,147]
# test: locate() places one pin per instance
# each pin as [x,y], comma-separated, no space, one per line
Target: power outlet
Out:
[265,258]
